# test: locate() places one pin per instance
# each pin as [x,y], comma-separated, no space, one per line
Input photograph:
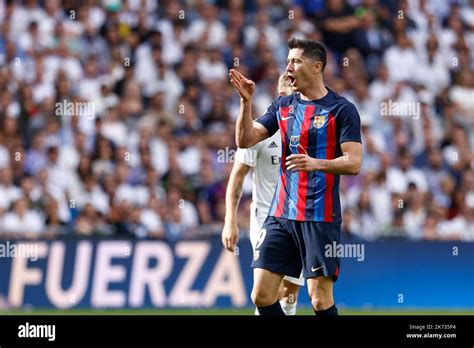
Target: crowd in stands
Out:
[117,117]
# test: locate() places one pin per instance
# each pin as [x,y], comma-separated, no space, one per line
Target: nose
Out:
[289,67]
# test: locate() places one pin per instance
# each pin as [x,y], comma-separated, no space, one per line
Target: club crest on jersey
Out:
[319,120]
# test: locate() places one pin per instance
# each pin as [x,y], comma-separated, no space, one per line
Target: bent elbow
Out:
[355,169]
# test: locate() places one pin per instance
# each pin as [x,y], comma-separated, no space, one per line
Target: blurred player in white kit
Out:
[264,158]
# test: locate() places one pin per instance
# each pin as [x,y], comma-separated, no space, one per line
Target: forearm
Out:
[232,197]
[244,132]
[343,165]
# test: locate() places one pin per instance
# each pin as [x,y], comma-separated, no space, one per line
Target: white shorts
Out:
[257,218]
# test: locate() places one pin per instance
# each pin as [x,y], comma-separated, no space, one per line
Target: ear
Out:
[317,67]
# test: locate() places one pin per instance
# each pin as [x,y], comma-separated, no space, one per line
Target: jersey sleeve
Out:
[349,124]
[247,156]
[269,119]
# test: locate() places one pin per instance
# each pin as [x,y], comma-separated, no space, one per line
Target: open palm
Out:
[242,85]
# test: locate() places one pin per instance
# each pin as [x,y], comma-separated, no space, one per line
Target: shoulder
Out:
[343,104]
[339,99]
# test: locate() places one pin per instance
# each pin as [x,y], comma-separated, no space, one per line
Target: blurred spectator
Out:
[401,59]
[415,214]
[339,24]
[23,221]
[9,192]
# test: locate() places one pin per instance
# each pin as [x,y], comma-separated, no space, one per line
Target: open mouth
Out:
[291,80]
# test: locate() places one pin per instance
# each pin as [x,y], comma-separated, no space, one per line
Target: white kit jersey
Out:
[264,158]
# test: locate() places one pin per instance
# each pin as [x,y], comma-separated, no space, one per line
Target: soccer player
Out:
[320,133]
[264,157]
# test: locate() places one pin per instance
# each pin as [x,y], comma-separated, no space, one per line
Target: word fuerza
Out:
[37,331]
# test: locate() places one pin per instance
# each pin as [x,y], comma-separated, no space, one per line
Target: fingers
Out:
[292,156]
[292,168]
[235,84]
[234,74]
[293,163]
[235,79]
[241,79]
[295,159]
[242,85]
[228,243]
[234,241]
[238,74]
[223,239]
[239,89]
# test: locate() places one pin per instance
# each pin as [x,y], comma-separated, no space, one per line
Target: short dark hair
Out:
[311,49]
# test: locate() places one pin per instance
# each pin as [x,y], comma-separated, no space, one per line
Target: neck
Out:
[314,92]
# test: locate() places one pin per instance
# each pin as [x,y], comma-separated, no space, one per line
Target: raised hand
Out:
[242,85]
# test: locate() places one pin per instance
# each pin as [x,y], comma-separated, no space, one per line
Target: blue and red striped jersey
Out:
[316,128]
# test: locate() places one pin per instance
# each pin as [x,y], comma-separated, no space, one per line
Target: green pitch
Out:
[230,311]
